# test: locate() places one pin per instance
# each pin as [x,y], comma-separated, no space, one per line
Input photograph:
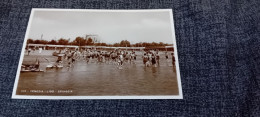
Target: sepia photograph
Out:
[99,54]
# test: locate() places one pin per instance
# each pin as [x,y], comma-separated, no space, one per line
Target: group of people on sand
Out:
[117,57]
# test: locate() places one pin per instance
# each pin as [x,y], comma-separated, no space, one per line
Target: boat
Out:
[57,64]
[54,65]
[35,67]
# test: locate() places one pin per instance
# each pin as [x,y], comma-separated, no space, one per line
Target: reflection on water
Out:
[101,79]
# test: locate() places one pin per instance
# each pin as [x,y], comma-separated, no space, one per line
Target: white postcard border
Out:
[180,96]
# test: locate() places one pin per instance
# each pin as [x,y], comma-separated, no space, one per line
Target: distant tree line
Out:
[80,41]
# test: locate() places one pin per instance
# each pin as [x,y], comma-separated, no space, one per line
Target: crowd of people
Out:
[150,58]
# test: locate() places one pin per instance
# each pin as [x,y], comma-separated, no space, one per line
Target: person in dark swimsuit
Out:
[29,50]
[127,57]
[153,60]
[166,55]
[73,57]
[157,58]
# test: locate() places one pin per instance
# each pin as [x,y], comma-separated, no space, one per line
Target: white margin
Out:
[180,96]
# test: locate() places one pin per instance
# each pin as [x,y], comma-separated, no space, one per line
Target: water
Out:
[99,79]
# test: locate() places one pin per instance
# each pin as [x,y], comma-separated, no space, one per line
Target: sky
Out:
[111,27]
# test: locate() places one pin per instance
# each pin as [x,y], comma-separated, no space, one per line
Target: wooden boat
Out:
[31,67]
[57,64]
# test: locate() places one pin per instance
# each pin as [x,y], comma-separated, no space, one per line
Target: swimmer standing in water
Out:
[145,60]
[120,61]
[153,60]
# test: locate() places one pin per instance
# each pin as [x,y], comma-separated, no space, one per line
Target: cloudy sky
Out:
[111,27]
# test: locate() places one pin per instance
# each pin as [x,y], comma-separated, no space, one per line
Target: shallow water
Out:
[100,79]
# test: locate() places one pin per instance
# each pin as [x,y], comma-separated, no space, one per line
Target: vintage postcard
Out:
[99,54]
